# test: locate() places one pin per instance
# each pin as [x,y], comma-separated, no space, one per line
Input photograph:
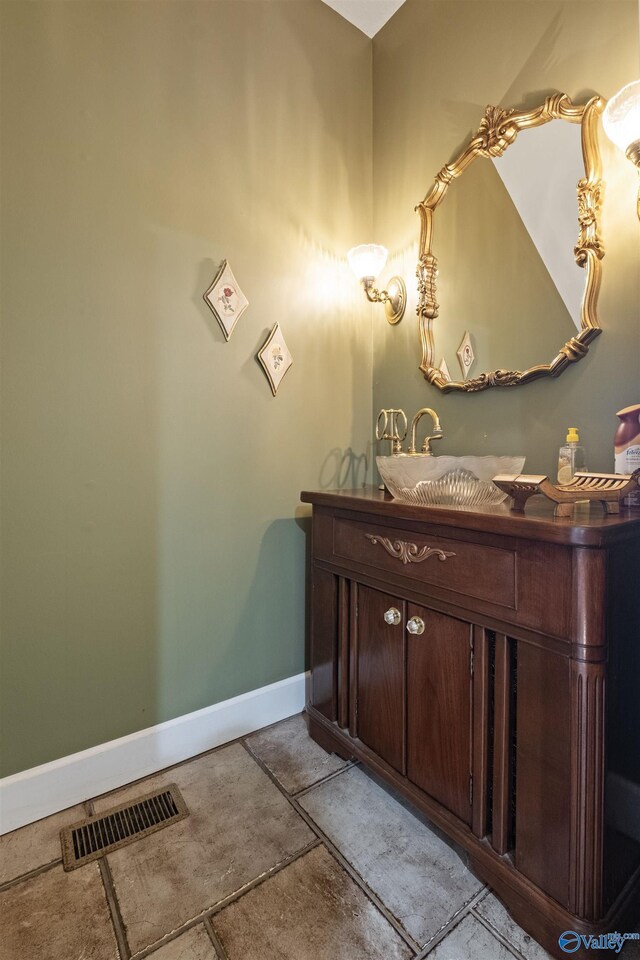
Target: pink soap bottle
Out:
[627,447]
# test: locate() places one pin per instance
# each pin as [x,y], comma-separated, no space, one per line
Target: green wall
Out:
[153,546]
[437,64]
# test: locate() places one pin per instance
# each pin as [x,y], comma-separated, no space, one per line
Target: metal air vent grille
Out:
[95,836]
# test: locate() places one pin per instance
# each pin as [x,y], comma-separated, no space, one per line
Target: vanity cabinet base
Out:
[487,667]
[541,916]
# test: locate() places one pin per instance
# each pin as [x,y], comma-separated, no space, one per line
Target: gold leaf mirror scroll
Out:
[511,284]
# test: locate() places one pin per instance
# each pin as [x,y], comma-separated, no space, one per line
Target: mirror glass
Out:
[507,275]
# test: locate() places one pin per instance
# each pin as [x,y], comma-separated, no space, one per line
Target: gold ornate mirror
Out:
[521,298]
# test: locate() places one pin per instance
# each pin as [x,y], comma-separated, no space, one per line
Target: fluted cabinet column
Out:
[588,690]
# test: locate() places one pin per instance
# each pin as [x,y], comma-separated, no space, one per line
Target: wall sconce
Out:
[621,122]
[367,261]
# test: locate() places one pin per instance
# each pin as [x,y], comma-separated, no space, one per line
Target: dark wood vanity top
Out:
[589,528]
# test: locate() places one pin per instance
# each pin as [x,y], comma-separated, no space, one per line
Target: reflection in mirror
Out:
[508,269]
[540,171]
[515,317]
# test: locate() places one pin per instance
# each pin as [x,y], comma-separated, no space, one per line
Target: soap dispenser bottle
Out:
[627,447]
[571,458]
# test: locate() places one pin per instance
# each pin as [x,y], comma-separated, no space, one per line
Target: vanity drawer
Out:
[466,568]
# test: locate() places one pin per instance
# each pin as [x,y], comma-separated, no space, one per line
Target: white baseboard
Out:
[43,790]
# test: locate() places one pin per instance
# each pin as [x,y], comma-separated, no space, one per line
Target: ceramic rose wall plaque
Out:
[275,358]
[226,299]
[465,354]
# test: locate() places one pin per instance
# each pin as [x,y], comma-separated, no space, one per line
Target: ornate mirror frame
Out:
[498,129]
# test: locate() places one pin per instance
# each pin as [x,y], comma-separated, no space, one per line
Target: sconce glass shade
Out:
[367,260]
[621,120]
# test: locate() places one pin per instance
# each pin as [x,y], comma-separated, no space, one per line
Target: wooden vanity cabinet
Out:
[487,665]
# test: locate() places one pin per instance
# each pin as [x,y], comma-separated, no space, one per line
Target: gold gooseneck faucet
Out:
[436,435]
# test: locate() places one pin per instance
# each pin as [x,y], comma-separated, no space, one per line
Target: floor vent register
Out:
[96,836]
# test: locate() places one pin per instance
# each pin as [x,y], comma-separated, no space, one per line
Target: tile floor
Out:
[287,853]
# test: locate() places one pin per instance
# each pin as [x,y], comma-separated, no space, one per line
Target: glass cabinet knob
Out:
[415,626]
[393,616]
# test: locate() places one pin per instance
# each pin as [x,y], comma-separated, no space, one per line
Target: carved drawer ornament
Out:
[406,551]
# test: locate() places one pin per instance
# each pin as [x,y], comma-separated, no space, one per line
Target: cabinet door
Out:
[439,710]
[381,675]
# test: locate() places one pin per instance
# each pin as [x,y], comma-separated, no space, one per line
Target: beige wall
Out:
[437,64]
[152,560]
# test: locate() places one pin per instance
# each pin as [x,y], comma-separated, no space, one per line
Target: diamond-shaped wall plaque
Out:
[226,299]
[465,354]
[275,358]
[444,370]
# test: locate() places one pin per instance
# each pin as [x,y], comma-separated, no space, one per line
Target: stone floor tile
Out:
[239,826]
[34,845]
[419,877]
[57,915]
[292,756]
[192,945]
[494,913]
[311,910]
[470,940]
[631,949]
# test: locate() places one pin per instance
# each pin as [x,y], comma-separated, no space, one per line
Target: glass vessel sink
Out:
[423,479]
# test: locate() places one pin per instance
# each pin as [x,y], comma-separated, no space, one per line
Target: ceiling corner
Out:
[368,15]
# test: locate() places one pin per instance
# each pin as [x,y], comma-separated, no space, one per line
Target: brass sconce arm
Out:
[373,294]
[633,152]
[366,261]
[394,299]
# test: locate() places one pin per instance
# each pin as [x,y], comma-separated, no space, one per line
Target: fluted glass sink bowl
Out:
[454,481]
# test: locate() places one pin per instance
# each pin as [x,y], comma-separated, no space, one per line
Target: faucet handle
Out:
[390,428]
[426,446]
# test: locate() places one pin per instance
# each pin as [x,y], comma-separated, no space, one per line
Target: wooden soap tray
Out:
[608,488]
